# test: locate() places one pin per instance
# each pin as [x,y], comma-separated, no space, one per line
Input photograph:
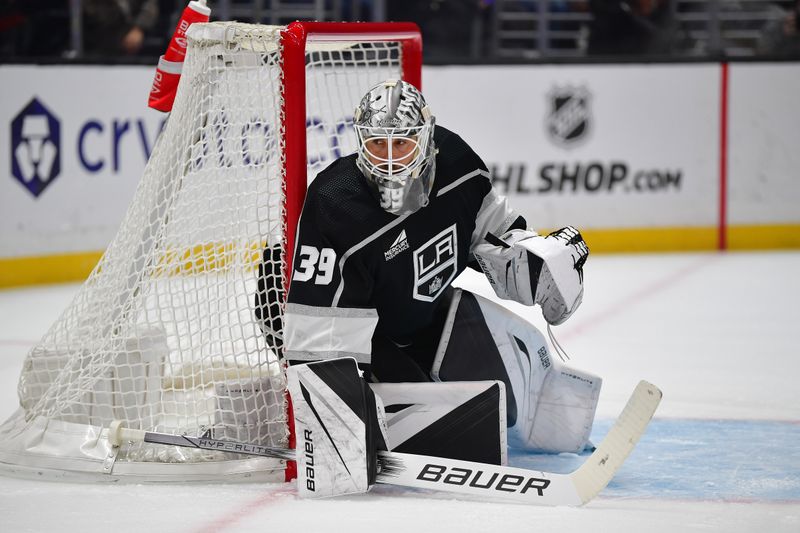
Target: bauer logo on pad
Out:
[435,265]
[35,147]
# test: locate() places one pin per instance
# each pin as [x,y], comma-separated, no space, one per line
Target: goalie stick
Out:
[464,477]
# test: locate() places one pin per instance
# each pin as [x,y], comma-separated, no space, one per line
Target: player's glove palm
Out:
[531,269]
[560,287]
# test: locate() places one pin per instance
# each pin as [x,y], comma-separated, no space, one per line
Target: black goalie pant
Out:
[462,420]
[474,339]
[410,359]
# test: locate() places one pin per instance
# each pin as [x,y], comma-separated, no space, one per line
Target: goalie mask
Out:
[396,151]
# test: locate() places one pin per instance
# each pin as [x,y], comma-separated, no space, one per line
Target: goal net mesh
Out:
[164,334]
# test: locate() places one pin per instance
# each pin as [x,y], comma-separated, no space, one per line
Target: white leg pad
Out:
[564,412]
[550,405]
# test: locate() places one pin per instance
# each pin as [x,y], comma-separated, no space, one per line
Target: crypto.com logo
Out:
[35,147]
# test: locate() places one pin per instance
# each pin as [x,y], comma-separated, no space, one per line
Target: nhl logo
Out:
[569,116]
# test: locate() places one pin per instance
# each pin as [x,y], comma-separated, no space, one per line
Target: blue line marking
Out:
[744,460]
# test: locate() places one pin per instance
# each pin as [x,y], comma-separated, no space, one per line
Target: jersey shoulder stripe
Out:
[457,162]
[357,247]
[462,179]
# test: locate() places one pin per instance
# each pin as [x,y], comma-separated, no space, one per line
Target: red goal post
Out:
[294,40]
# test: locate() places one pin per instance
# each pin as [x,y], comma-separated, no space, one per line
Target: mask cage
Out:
[390,168]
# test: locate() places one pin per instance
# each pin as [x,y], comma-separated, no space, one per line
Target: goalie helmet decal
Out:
[396,152]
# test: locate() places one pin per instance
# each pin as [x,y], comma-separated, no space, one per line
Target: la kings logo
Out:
[435,265]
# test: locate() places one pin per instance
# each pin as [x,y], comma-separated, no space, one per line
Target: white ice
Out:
[717,332]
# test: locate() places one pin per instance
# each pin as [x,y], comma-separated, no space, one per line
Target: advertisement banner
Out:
[631,154]
[764,160]
[595,146]
[75,141]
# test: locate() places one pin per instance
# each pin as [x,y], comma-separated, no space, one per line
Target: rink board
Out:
[638,156]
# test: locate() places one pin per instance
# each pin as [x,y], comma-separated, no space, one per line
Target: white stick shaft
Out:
[464,477]
[593,475]
[530,486]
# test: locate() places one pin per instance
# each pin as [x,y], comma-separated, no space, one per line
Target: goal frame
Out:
[294,39]
[69,384]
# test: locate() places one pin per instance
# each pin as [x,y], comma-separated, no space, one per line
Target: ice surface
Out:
[734,460]
[718,333]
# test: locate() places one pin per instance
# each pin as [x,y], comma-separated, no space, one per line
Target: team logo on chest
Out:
[435,265]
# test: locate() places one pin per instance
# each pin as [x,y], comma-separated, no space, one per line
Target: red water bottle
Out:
[196,11]
[168,72]
[165,85]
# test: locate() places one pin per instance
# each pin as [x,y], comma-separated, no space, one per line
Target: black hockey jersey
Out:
[358,269]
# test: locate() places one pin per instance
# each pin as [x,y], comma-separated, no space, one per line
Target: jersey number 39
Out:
[313,261]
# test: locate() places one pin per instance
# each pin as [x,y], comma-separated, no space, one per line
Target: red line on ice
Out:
[237,515]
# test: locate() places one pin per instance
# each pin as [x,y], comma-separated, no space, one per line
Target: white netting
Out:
[164,334]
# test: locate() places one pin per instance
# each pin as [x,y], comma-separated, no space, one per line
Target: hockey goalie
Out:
[384,352]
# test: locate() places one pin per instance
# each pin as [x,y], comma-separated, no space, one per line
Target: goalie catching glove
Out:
[340,426]
[528,268]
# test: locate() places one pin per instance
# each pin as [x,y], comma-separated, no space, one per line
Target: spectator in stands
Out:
[631,27]
[570,36]
[118,26]
[12,21]
[781,35]
[33,28]
[447,27]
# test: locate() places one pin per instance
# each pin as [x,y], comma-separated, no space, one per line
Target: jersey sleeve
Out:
[329,313]
[495,216]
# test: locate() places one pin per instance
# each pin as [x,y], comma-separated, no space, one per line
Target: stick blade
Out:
[593,475]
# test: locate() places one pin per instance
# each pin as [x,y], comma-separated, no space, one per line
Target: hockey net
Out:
[164,334]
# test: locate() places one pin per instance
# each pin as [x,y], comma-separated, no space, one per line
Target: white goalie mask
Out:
[396,151]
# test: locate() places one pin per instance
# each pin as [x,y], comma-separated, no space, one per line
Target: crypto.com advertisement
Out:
[74,142]
[597,146]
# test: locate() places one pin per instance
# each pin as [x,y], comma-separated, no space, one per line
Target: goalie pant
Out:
[340,426]
[549,405]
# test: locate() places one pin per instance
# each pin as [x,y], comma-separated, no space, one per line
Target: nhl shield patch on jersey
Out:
[435,265]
